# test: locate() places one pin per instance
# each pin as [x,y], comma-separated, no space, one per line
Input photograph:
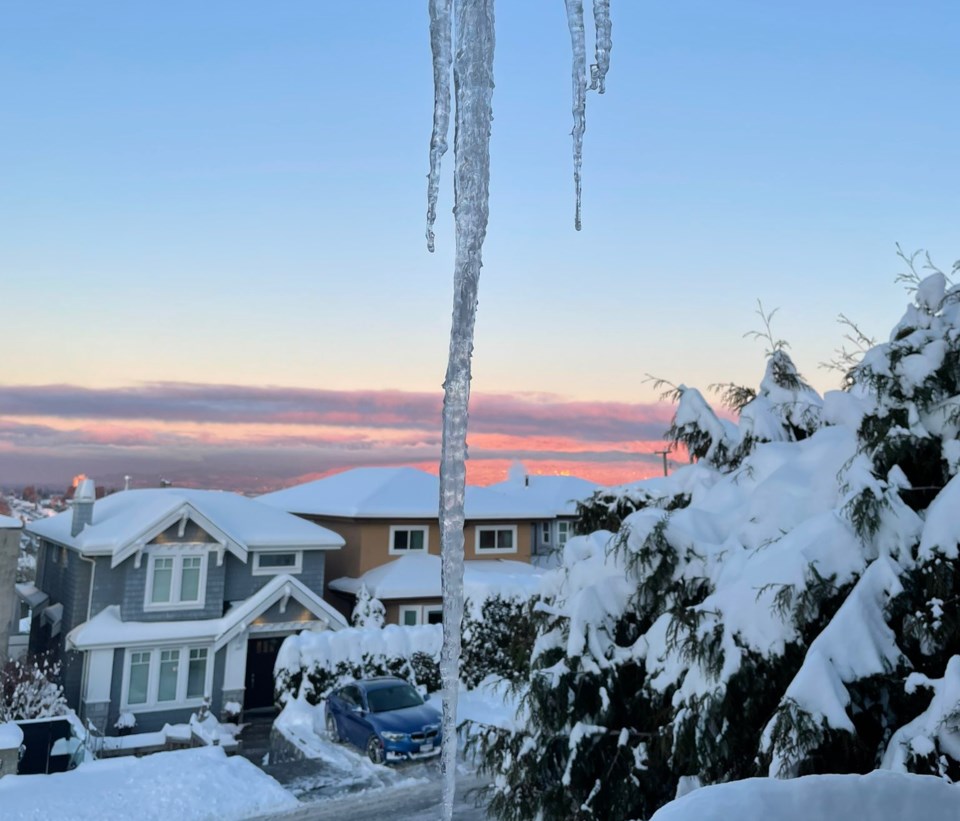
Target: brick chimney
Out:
[83,499]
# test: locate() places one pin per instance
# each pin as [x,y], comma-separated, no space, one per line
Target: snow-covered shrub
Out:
[497,640]
[232,711]
[125,722]
[790,604]
[311,664]
[368,612]
[29,688]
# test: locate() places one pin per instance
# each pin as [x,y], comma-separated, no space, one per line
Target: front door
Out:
[261,658]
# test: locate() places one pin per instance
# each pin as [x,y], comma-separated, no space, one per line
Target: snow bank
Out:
[878,796]
[188,785]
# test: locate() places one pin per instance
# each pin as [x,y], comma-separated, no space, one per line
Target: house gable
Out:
[176,523]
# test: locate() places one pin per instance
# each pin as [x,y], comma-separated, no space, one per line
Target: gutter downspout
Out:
[84,676]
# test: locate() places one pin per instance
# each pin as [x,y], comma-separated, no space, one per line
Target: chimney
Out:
[526,480]
[83,499]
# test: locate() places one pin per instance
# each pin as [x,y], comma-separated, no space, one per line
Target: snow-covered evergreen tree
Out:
[789,604]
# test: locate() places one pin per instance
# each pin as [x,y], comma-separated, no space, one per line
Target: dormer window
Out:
[176,579]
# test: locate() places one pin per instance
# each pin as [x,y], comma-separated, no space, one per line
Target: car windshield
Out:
[394,697]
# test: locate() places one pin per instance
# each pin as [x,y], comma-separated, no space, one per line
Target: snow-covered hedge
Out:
[497,639]
[314,663]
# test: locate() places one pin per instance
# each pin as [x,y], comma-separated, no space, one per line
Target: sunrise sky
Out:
[212,213]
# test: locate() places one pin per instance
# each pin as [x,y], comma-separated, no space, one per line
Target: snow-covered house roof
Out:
[394,493]
[107,629]
[9,523]
[559,494]
[124,522]
[418,577]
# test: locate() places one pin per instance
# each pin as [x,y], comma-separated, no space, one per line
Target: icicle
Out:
[575,22]
[440,33]
[473,85]
[603,28]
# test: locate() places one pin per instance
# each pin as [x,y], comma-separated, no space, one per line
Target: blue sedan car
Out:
[385,717]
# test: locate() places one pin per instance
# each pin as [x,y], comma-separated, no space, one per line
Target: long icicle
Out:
[441,22]
[473,85]
[603,28]
[575,22]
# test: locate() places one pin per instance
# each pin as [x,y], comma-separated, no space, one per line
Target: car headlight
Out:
[394,736]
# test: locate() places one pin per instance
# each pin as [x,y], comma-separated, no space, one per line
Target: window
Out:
[413,614]
[272,563]
[176,580]
[139,678]
[197,672]
[169,668]
[162,677]
[545,533]
[496,539]
[564,532]
[405,540]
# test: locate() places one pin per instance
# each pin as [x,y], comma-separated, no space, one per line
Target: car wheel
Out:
[332,730]
[375,750]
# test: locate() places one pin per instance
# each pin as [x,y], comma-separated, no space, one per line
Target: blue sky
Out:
[233,192]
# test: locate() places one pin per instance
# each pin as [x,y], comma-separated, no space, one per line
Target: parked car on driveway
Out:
[385,717]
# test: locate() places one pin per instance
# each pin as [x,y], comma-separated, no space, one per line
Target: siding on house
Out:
[66,582]
[368,543]
[240,583]
[135,589]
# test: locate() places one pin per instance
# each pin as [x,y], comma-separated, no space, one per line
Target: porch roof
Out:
[107,629]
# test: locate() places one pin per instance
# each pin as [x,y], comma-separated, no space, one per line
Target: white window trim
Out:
[422,611]
[546,531]
[411,528]
[297,567]
[494,551]
[153,679]
[569,533]
[178,555]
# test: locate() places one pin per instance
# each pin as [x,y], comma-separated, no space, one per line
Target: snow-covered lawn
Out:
[186,785]
[878,796]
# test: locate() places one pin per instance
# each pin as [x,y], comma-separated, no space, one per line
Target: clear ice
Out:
[579,74]
[441,23]
[473,87]
[603,28]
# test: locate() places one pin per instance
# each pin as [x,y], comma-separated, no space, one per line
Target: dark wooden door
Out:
[261,658]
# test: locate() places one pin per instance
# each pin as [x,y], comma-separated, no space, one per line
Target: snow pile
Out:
[11,736]
[188,785]
[878,796]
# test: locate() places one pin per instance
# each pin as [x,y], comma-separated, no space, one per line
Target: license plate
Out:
[426,748]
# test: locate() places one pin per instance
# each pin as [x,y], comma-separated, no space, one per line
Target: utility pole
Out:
[664,453]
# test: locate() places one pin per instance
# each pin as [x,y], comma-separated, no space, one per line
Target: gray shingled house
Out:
[159,599]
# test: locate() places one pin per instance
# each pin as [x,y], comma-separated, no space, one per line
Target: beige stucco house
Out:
[386,514]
